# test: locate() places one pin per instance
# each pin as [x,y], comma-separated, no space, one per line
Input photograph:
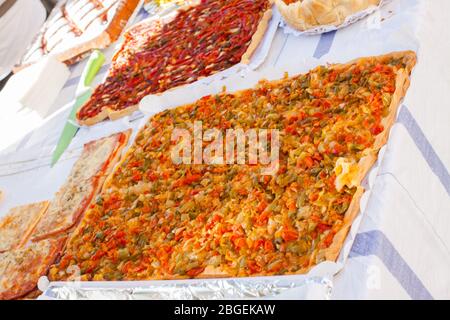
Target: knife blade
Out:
[83,93]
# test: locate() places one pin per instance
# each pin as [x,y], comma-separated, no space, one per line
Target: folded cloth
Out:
[37,86]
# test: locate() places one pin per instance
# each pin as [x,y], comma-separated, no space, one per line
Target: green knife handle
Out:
[93,65]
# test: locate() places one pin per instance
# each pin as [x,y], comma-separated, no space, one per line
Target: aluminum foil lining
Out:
[309,288]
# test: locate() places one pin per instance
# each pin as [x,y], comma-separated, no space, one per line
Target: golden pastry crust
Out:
[307,14]
[365,164]
[258,36]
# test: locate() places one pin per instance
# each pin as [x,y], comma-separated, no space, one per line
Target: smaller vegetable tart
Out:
[20,269]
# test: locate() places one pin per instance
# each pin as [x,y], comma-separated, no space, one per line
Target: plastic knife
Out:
[82,95]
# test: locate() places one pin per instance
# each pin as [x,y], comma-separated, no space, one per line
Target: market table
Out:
[399,245]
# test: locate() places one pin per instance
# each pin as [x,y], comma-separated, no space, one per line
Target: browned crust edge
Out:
[102,115]
[32,295]
[108,180]
[106,113]
[365,164]
[258,36]
[117,114]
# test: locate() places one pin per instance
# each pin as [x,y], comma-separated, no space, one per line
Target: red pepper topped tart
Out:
[159,220]
[158,55]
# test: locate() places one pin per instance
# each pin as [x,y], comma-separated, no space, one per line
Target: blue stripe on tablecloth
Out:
[324,45]
[437,166]
[75,80]
[142,14]
[376,243]
[281,50]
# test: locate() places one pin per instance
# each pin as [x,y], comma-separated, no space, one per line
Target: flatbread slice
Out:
[20,269]
[17,225]
[86,178]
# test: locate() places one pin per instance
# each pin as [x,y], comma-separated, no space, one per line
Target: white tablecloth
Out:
[402,247]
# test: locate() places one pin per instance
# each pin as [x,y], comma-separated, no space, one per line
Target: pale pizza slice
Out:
[85,180]
[17,226]
[20,269]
